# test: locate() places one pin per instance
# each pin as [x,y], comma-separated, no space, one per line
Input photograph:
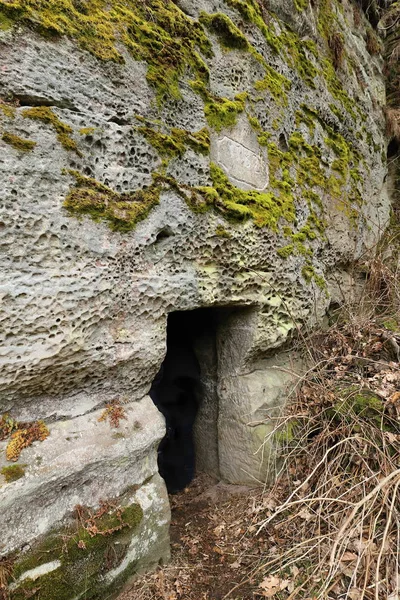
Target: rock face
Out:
[158,157]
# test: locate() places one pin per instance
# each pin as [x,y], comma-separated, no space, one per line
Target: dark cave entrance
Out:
[185,391]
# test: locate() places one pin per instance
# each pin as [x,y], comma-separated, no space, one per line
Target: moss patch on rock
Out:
[174,143]
[46,115]
[222,113]
[84,553]
[155,31]
[356,405]
[13,472]
[17,142]
[229,35]
[263,208]
[8,110]
[276,84]
[5,22]
[121,211]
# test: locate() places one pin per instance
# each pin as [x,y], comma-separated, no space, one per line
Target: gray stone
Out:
[239,154]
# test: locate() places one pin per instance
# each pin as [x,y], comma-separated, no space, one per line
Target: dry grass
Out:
[336,46]
[334,511]
[393,123]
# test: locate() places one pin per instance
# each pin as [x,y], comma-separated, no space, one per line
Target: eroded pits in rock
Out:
[185,391]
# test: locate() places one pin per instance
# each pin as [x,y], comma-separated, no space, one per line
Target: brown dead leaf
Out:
[272,585]
[394,398]
[348,557]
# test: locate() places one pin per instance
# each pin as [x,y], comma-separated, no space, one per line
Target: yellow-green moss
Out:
[286,251]
[87,130]
[84,558]
[251,12]
[13,472]
[121,211]
[229,35]
[288,433]
[294,50]
[46,115]
[336,88]
[220,231]
[175,143]
[263,208]
[361,403]
[222,113]
[5,22]
[345,177]
[155,31]
[276,84]
[17,142]
[301,4]
[309,274]
[8,110]
[391,325]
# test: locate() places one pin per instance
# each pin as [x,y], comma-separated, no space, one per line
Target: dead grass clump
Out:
[393,123]
[335,508]
[336,46]
[6,571]
[372,42]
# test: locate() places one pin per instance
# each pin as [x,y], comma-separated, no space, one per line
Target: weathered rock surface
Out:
[261,183]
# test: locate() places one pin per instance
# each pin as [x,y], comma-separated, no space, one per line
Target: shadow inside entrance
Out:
[176,392]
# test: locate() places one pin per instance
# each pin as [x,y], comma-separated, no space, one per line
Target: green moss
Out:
[301,4]
[229,35]
[222,113]
[297,54]
[5,22]
[345,177]
[309,274]
[276,84]
[251,12]
[7,110]
[288,433]
[121,211]
[87,130]
[255,123]
[46,115]
[85,558]
[391,325]
[265,209]
[336,88]
[17,142]
[13,472]
[176,141]
[294,50]
[220,231]
[363,404]
[155,31]
[286,251]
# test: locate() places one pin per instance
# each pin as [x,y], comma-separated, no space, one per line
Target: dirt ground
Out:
[212,545]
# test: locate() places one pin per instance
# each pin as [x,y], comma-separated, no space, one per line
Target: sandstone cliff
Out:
[162,156]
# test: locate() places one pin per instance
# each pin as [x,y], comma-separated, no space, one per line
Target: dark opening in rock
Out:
[185,391]
[393,148]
